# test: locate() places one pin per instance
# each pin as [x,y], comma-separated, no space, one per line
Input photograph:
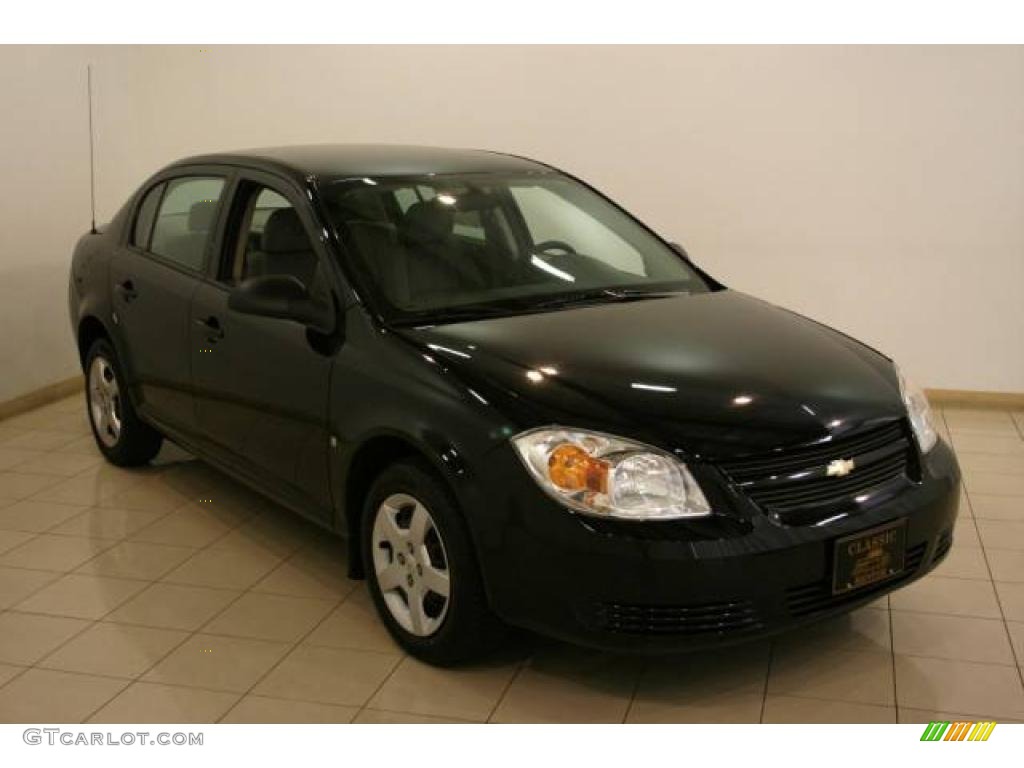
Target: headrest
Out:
[201,215]
[428,222]
[283,232]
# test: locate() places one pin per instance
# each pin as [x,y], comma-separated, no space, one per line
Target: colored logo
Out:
[959,731]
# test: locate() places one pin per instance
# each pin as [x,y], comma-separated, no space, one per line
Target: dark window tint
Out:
[145,215]
[187,215]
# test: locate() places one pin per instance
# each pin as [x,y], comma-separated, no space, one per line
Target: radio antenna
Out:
[92,162]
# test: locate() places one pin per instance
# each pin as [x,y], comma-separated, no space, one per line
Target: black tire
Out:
[468,629]
[136,442]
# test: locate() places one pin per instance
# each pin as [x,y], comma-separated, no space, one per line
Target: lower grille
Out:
[817,596]
[728,618]
[943,545]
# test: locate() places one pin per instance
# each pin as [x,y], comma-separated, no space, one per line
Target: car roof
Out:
[374,160]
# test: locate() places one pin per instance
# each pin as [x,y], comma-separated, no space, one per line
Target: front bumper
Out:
[650,589]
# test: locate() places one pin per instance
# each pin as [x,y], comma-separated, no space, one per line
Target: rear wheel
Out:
[121,437]
[422,568]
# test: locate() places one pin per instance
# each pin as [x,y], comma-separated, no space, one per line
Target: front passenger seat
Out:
[286,248]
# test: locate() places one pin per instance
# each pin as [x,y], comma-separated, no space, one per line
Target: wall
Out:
[44,207]
[878,189]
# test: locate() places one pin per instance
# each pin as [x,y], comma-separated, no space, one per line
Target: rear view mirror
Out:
[282,297]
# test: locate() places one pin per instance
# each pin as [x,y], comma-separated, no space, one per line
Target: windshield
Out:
[437,247]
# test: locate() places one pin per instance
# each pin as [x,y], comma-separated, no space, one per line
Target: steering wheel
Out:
[550,245]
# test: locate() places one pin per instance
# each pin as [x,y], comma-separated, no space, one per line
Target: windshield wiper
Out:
[601,296]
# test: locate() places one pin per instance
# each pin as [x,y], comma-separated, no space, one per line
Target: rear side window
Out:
[144,217]
[185,222]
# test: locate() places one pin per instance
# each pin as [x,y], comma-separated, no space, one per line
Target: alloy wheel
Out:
[411,564]
[105,401]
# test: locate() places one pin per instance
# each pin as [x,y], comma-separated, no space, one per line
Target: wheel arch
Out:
[90,328]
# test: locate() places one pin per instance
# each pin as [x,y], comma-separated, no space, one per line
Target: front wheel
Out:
[122,438]
[422,570]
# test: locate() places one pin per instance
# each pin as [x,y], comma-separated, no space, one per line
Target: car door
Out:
[153,278]
[261,384]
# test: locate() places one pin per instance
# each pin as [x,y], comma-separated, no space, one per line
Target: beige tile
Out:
[48,696]
[187,527]
[354,624]
[951,637]
[36,516]
[964,563]
[1009,508]
[379,717]
[54,553]
[314,572]
[563,684]
[173,606]
[152,703]
[229,568]
[987,442]
[270,617]
[85,445]
[82,596]
[92,486]
[965,534]
[151,495]
[722,686]
[137,560]
[58,464]
[958,686]
[98,523]
[925,716]
[859,676]
[39,440]
[11,539]
[467,693]
[115,650]
[994,484]
[9,672]
[1004,463]
[328,675]
[980,420]
[12,457]
[866,629]
[25,637]
[954,597]
[1011,598]
[262,709]
[278,531]
[1016,629]
[1006,564]
[792,709]
[220,663]
[18,583]
[1001,534]
[15,485]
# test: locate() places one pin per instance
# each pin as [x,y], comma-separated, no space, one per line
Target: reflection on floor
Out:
[172,594]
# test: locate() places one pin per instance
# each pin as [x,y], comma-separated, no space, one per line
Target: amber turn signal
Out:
[573,469]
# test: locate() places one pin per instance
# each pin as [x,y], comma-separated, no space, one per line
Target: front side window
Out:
[429,246]
[273,241]
[185,221]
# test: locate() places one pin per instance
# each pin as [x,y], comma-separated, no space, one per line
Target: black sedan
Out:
[520,404]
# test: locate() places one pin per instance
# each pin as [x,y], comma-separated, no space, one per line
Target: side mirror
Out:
[680,250]
[282,297]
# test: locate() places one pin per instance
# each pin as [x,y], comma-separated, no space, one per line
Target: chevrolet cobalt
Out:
[519,404]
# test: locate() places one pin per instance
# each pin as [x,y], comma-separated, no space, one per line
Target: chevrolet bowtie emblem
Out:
[840,467]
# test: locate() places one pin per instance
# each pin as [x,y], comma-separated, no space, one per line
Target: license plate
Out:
[869,557]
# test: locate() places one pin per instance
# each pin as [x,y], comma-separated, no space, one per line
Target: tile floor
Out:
[171,594]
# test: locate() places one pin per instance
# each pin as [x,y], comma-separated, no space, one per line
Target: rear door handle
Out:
[212,325]
[127,290]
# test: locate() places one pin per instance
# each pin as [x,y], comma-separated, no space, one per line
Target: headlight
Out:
[920,414]
[608,476]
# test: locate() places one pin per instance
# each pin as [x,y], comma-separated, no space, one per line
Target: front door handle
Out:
[127,290]
[214,332]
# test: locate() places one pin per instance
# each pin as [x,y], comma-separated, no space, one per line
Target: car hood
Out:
[713,374]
